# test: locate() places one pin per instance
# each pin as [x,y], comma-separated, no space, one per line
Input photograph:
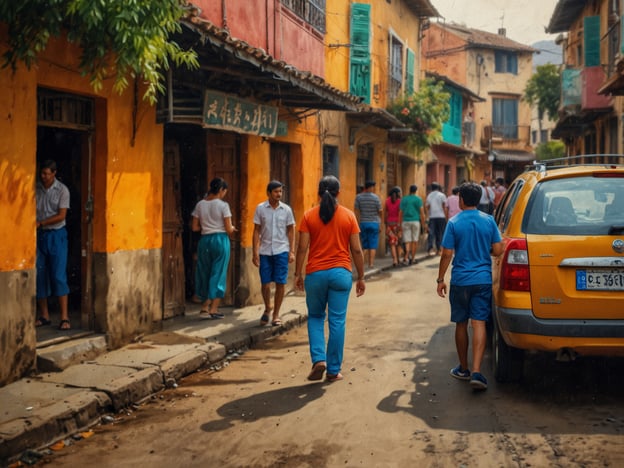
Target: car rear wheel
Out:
[507,362]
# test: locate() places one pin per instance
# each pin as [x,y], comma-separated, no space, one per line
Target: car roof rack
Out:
[578,160]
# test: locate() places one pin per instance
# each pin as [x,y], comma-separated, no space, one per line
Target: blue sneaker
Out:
[460,374]
[478,381]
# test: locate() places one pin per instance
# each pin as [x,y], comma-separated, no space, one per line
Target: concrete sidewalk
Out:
[51,406]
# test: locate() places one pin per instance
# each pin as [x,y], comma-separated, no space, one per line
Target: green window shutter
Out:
[409,72]
[591,39]
[621,34]
[360,57]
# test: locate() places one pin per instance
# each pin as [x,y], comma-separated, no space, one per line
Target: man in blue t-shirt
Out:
[469,240]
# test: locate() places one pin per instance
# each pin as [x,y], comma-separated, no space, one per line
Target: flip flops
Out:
[64,325]
[276,323]
[42,322]
[264,319]
[333,377]
[317,371]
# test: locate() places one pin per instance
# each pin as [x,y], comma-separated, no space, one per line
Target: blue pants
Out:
[436,231]
[213,257]
[369,235]
[52,263]
[328,290]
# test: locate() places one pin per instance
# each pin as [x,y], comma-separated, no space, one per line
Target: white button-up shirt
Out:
[273,224]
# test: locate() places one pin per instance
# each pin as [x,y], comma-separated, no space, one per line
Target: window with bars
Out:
[311,11]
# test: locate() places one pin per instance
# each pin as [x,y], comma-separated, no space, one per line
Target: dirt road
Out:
[396,407]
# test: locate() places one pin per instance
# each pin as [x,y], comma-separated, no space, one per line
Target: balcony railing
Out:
[311,11]
[505,135]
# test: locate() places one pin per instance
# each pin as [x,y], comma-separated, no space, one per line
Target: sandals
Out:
[42,322]
[205,315]
[276,323]
[265,318]
[64,325]
[317,371]
[333,377]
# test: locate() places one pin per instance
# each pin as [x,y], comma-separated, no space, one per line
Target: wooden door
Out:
[280,162]
[172,251]
[223,155]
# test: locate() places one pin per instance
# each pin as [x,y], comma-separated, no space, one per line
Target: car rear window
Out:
[588,205]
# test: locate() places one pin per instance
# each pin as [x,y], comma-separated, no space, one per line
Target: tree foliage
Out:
[119,39]
[544,90]
[553,149]
[424,111]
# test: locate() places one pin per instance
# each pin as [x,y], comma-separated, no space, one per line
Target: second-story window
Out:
[312,11]
[396,68]
[505,62]
[505,118]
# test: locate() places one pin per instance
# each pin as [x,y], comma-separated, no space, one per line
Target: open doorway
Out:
[68,147]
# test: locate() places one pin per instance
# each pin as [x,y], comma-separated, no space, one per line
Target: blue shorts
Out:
[51,263]
[369,235]
[274,268]
[474,302]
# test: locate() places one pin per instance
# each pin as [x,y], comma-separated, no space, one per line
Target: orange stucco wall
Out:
[127,179]
[17,169]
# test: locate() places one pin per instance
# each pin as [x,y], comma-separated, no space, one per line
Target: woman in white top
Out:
[212,216]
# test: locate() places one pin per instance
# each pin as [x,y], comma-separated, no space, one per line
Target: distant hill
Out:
[549,53]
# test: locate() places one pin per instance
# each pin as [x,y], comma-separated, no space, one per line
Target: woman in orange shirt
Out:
[331,233]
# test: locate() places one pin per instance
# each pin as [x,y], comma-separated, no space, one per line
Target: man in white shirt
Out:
[437,214]
[486,203]
[273,248]
[52,204]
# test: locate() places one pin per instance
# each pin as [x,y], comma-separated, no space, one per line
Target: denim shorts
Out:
[470,302]
[274,268]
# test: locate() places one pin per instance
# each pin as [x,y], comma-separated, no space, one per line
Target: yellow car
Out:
[559,285]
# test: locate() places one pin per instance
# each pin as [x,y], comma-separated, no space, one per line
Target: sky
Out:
[525,20]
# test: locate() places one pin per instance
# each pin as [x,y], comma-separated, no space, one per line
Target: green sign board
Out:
[232,113]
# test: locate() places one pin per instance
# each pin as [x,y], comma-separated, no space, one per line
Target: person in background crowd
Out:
[499,191]
[213,218]
[52,199]
[331,234]
[273,248]
[393,227]
[486,202]
[470,238]
[369,211]
[437,214]
[411,215]
[453,202]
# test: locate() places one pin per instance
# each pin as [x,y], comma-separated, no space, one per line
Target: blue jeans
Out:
[328,290]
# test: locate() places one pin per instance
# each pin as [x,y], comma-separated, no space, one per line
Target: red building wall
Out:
[268,25]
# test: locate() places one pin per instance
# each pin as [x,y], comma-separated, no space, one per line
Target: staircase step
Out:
[60,356]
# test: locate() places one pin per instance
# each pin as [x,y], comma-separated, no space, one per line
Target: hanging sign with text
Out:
[228,112]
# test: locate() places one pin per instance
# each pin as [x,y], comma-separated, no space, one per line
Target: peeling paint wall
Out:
[128,287]
[17,330]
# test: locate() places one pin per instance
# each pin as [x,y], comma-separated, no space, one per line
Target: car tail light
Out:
[515,270]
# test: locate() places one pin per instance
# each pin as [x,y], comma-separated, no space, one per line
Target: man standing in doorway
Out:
[437,212]
[52,205]
[273,248]
[411,213]
[369,210]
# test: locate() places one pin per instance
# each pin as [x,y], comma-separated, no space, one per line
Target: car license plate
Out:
[604,280]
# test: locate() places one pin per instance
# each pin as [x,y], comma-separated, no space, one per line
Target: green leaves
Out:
[119,39]
[425,111]
[544,90]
